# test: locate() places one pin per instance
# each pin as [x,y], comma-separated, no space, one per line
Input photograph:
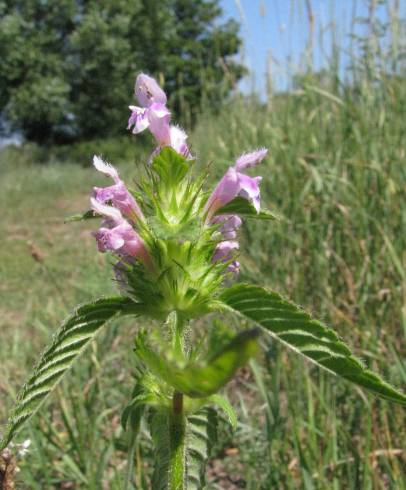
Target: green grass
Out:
[336,174]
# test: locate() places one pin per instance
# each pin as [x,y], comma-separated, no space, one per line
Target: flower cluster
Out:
[234,184]
[129,233]
[154,115]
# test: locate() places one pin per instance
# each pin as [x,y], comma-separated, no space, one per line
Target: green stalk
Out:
[177,420]
[177,430]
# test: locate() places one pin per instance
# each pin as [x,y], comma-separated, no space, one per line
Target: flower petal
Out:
[231,223]
[159,117]
[248,160]
[138,118]
[226,190]
[224,251]
[249,189]
[148,91]
[121,197]
[107,211]
[105,168]
[178,139]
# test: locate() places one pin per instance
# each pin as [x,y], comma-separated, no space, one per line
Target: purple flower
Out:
[234,267]
[155,115]
[148,91]
[224,252]
[231,223]
[178,141]
[235,183]
[249,189]
[247,160]
[118,194]
[156,118]
[117,235]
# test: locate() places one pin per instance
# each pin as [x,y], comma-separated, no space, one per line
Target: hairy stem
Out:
[177,421]
[177,430]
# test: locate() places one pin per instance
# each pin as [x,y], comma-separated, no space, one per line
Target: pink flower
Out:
[247,160]
[178,141]
[234,267]
[118,194]
[225,252]
[235,183]
[117,235]
[148,91]
[155,115]
[231,223]
[156,118]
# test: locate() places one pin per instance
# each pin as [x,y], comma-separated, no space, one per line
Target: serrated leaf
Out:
[311,338]
[243,207]
[135,408]
[90,214]
[227,408]
[201,379]
[170,166]
[69,342]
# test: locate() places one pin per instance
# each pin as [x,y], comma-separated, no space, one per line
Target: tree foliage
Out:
[67,68]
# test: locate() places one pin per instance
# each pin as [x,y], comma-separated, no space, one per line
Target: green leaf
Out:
[201,379]
[170,166]
[134,410]
[227,408]
[90,214]
[298,330]
[243,207]
[69,342]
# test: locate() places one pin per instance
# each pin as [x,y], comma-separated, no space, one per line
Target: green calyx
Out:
[182,276]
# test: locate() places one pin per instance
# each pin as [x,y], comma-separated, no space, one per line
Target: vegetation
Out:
[67,67]
[340,168]
[336,175]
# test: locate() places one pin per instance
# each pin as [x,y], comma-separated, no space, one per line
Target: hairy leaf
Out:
[227,408]
[201,379]
[297,329]
[69,342]
[243,207]
[170,166]
[90,214]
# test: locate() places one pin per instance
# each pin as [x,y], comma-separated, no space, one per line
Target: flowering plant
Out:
[175,250]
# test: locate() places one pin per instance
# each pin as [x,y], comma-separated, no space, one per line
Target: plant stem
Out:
[177,429]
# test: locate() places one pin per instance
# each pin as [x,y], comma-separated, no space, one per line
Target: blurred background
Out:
[322,84]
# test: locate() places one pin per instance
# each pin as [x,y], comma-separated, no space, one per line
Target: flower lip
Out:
[118,193]
[248,160]
[106,168]
[107,211]
[224,250]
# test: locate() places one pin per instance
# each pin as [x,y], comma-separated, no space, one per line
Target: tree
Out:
[67,67]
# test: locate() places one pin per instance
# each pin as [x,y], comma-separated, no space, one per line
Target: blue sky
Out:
[278,29]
